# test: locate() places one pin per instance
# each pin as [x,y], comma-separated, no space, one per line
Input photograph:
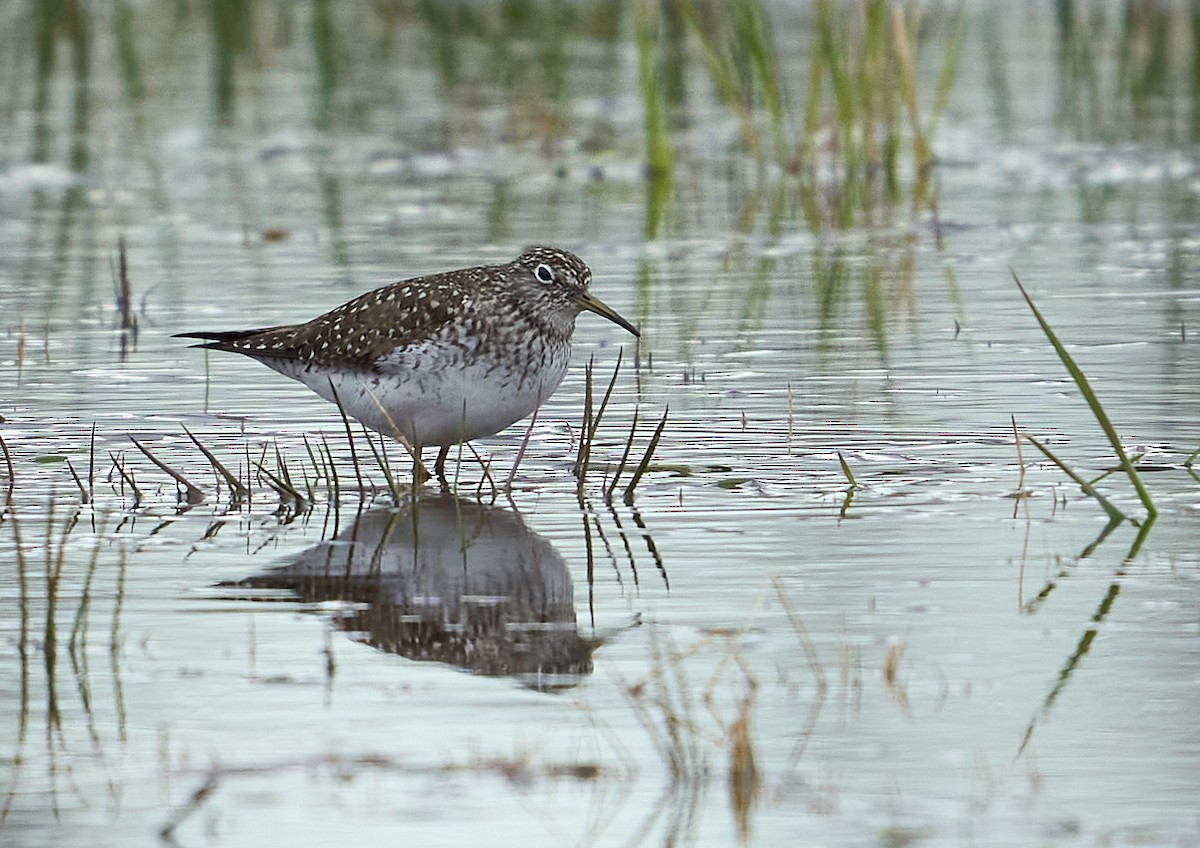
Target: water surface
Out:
[925,659]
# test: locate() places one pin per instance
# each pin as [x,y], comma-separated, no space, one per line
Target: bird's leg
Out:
[439,467]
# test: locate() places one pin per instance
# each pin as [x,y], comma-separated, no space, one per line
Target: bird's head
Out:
[564,278]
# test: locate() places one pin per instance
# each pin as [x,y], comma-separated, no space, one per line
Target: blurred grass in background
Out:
[815,117]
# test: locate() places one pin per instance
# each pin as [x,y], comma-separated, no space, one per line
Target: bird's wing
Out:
[359,333]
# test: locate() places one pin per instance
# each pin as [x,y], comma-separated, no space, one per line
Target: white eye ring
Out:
[544,273]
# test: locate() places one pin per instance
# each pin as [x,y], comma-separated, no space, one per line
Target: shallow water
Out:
[926,659]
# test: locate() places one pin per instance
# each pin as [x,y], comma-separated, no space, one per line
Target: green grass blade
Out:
[1143,534]
[941,95]
[846,470]
[660,155]
[1088,488]
[1093,402]
[754,34]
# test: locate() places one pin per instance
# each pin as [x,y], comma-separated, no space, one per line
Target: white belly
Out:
[435,405]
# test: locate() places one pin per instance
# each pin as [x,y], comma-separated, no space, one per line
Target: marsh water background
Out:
[923,660]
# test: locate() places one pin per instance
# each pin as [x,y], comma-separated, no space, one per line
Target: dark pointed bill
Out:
[590,303]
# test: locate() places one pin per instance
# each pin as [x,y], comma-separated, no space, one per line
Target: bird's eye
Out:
[544,273]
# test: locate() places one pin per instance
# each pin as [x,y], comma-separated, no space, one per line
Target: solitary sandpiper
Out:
[441,359]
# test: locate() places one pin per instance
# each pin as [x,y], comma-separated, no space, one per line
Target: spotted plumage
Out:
[439,359]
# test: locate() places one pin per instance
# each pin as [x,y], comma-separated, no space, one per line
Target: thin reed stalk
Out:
[349,436]
[641,469]
[420,473]
[512,472]
[320,470]
[385,465]
[591,423]
[92,465]
[334,477]
[195,495]
[235,485]
[281,486]
[83,493]
[612,382]
[612,486]
[1020,458]
[10,478]
[582,456]
[126,476]
[285,473]
[249,487]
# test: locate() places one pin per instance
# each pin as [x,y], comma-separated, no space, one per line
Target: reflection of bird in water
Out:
[451,581]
